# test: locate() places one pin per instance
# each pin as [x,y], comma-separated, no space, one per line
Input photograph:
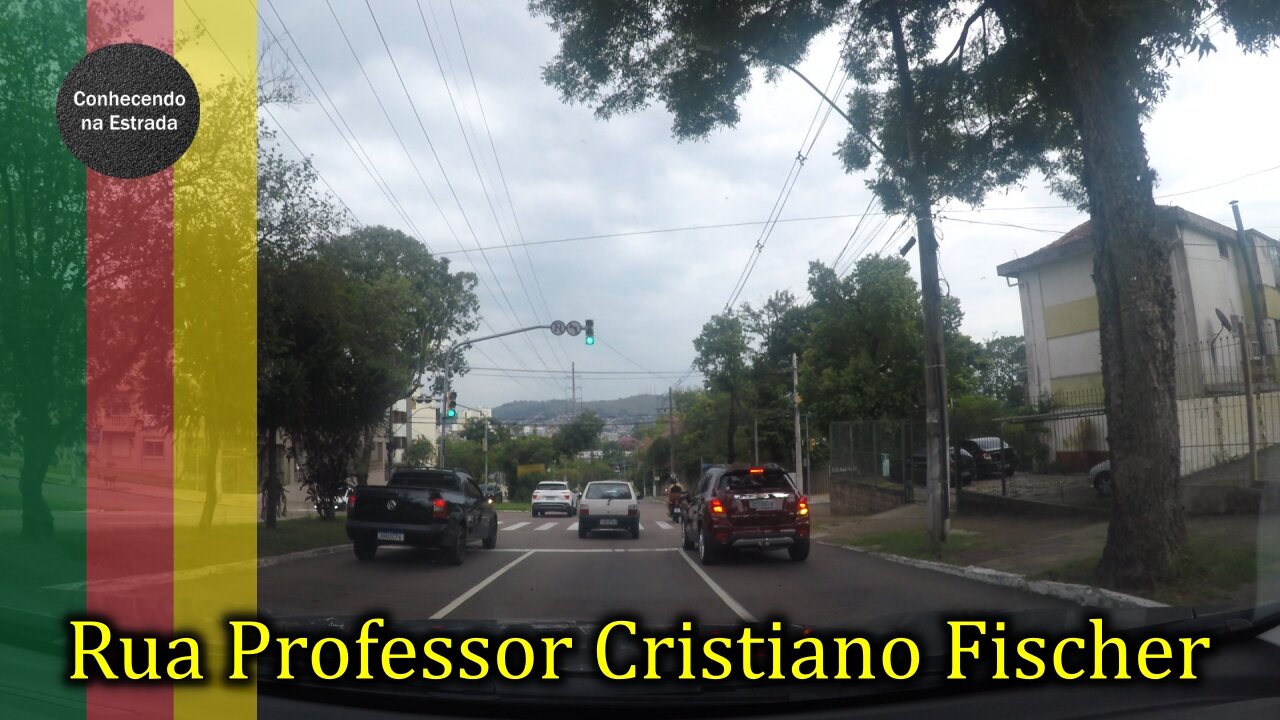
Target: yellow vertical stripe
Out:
[215,337]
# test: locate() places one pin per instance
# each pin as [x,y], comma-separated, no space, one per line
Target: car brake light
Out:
[351,502]
[802,507]
[566,496]
[582,510]
[716,505]
[986,456]
[440,508]
[633,510]
[756,471]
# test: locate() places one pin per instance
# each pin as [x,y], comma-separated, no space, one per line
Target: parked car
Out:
[553,496]
[494,492]
[992,456]
[1100,477]
[422,507]
[609,505]
[745,508]
[962,472]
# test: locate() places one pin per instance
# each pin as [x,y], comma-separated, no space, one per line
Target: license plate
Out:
[608,521]
[389,535]
[766,504]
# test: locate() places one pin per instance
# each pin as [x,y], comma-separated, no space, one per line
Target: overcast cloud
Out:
[571,175]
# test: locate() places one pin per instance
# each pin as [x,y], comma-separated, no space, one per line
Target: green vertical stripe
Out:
[42,360]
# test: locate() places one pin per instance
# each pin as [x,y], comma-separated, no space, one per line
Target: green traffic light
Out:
[591,340]
[452,413]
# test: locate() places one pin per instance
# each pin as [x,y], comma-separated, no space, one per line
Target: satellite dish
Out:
[1226,323]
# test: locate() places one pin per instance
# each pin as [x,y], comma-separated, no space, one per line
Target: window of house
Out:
[153,449]
[1224,249]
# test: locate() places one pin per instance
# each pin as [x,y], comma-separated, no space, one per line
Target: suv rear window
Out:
[989,443]
[609,491]
[552,486]
[429,479]
[745,480]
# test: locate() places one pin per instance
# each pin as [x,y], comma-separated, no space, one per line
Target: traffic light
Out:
[591,332]
[452,412]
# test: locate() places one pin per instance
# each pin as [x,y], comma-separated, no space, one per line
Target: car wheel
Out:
[582,531]
[800,551]
[365,549]
[635,531]
[707,552]
[535,512]
[491,540]
[685,541]
[457,552]
[1102,483]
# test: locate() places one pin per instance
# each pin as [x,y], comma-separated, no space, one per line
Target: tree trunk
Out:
[733,425]
[212,493]
[273,478]
[1136,303]
[37,455]
[365,458]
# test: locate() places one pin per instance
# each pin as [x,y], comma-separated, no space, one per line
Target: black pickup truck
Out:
[422,507]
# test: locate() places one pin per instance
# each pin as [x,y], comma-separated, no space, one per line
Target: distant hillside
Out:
[626,408]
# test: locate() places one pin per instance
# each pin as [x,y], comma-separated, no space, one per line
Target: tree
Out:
[1002,369]
[582,433]
[721,358]
[421,453]
[474,430]
[1097,69]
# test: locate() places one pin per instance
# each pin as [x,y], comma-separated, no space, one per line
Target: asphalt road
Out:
[541,570]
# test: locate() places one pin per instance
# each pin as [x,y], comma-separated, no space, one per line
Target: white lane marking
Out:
[641,525]
[734,605]
[477,588]
[582,550]
[572,527]
[545,526]
[501,521]
[517,526]
[663,525]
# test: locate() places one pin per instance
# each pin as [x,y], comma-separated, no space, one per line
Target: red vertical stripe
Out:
[129,348]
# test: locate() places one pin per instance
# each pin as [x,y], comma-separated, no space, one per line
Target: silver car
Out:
[1100,477]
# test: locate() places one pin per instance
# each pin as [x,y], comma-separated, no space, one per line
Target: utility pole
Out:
[1249,258]
[671,428]
[755,440]
[795,415]
[486,451]
[808,451]
[573,390]
[1257,301]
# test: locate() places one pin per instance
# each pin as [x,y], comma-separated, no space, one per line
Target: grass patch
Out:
[1215,571]
[300,534]
[516,506]
[911,543]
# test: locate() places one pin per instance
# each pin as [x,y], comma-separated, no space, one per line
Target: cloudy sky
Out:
[567,175]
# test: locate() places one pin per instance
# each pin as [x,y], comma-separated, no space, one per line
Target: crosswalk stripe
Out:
[663,525]
[572,527]
[517,526]
[545,526]
[641,525]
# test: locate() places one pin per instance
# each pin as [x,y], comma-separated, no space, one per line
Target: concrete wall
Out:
[1215,430]
[854,497]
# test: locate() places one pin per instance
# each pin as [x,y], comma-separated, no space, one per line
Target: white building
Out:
[1060,305]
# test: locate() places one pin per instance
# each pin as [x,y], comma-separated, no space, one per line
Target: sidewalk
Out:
[1223,566]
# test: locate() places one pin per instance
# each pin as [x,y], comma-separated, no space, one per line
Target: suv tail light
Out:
[582,510]
[439,508]
[351,502]
[633,510]
[566,496]
[986,456]
[717,507]
[802,506]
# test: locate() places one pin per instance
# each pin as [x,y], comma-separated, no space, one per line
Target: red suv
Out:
[746,508]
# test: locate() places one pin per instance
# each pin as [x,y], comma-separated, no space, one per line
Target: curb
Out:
[270,560]
[1083,595]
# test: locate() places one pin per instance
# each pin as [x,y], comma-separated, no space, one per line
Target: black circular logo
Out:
[128,110]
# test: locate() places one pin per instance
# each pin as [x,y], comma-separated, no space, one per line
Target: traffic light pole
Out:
[556,328]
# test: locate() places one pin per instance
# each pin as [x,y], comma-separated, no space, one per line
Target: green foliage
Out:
[582,433]
[421,453]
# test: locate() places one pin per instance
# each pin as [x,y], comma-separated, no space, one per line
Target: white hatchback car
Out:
[609,505]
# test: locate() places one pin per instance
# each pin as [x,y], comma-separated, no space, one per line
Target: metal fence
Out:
[881,451]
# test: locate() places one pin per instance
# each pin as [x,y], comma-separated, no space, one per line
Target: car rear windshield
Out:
[745,480]
[428,479]
[552,486]
[609,491]
[989,443]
